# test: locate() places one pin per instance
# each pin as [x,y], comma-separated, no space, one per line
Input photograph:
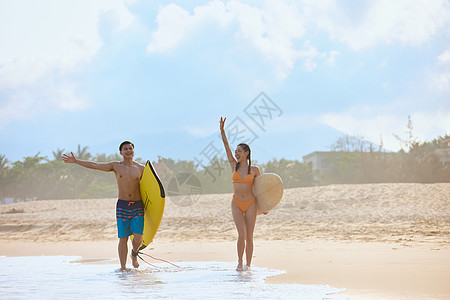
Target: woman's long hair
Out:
[246,148]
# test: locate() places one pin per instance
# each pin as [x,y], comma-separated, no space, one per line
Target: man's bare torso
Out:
[128,177]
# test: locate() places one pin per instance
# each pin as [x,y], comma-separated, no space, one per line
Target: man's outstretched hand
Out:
[70,159]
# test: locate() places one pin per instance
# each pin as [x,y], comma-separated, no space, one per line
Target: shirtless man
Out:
[129,209]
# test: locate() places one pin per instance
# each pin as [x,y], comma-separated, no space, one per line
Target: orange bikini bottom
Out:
[243,206]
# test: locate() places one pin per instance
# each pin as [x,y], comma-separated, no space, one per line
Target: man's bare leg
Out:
[123,251]
[137,240]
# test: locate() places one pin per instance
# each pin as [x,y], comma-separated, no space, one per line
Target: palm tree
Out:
[82,153]
[58,153]
[3,167]
[3,162]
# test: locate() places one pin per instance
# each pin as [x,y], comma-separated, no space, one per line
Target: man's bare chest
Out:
[128,173]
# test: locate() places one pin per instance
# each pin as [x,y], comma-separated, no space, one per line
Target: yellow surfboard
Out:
[153,197]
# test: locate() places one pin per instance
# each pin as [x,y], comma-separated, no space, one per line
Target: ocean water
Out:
[64,277]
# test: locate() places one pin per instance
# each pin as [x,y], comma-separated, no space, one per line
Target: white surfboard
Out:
[268,190]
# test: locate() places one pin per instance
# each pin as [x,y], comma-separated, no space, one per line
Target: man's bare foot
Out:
[124,270]
[134,259]
[239,266]
[247,268]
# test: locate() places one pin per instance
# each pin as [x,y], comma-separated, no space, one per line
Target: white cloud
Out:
[64,98]
[17,109]
[42,38]
[272,30]
[381,22]
[176,24]
[199,131]
[332,57]
[442,81]
[441,77]
[276,28]
[48,35]
[293,122]
[444,58]
[372,122]
[25,104]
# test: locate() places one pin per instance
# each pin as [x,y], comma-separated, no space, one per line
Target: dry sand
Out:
[379,241]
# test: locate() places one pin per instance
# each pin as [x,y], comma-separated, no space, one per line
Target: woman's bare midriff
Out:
[242,191]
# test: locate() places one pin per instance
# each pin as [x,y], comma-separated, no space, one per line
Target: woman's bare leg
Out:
[239,221]
[250,221]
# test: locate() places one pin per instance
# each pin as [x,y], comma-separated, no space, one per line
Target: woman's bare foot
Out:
[240,266]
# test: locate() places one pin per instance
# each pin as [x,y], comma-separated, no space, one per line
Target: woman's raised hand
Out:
[222,123]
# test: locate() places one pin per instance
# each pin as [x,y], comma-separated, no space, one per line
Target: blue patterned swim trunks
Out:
[130,217]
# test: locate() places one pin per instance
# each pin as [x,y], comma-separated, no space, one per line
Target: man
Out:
[130,210]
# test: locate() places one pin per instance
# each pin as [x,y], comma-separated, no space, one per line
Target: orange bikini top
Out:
[237,178]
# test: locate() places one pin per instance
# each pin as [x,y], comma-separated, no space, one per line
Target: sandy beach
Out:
[378,241]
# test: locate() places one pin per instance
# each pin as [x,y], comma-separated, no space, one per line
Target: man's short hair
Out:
[125,143]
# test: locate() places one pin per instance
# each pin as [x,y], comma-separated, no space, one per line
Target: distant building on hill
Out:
[444,153]
[321,161]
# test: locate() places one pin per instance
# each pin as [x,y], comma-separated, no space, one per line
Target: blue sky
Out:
[161,73]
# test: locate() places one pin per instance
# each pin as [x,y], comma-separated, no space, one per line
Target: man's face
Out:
[127,151]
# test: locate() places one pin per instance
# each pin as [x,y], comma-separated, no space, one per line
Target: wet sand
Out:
[379,241]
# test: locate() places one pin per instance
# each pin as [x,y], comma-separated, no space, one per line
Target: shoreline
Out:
[364,270]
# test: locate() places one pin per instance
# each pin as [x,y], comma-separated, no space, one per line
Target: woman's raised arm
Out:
[230,156]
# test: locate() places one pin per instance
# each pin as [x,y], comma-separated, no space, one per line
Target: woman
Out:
[243,205]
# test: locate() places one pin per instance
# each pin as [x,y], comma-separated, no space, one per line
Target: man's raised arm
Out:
[71,159]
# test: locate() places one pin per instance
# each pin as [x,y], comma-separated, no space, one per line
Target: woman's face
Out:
[240,154]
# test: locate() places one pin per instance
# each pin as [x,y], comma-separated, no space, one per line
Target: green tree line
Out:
[418,163]
[40,177]
[352,161]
